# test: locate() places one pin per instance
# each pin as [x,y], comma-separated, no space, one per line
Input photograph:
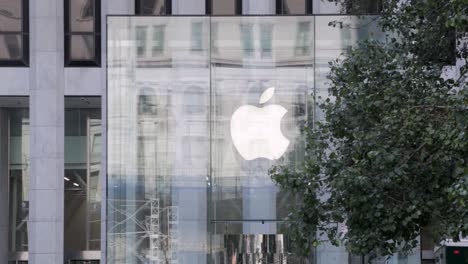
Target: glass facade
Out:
[194,128]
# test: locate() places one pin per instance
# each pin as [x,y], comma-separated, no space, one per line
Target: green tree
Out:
[390,159]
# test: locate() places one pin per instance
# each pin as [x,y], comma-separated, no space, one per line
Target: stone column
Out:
[46,191]
[4,175]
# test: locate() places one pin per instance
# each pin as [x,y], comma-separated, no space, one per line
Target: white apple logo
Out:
[256,132]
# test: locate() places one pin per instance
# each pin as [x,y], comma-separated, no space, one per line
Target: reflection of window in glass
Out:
[82,198]
[14,33]
[303,39]
[224,7]
[82,32]
[293,7]
[247,39]
[147,105]
[194,101]
[158,40]
[196,40]
[14,184]
[214,37]
[153,7]
[141,40]
[266,38]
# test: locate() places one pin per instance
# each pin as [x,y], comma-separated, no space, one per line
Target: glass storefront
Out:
[14,179]
[82,179]
[199,109]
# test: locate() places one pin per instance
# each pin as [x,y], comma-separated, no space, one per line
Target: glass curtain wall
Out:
[82,183]
[195,126]
[158,139]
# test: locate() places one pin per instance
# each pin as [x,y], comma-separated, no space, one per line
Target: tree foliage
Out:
[391,156]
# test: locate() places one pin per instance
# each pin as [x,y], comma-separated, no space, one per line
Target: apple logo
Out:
[256,132]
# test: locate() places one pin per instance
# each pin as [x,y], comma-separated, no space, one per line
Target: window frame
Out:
[308,8]
[68,33]
[209,8]
[24,34]
[139,6]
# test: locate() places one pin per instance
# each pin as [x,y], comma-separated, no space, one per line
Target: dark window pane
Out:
[152,7]
[82,47]
[82,15]
[10,47]
[363,6]
[296,7]
[10,15]
[224,7]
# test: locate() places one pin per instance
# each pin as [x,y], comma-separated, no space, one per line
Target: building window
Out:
[153,7]
[14,33]
[158,40]
[14,178]
[247,39]
[363,7]
[303,41]
[82,180]
[82,33]
[266,37]
[293,7]
[141,40]
[223,7]
[196,39]
[350,7]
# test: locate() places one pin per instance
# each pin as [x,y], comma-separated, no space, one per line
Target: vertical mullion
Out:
[25,32]
[67,37]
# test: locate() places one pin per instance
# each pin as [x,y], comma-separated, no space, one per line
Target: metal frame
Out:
[96,62]
[24,61]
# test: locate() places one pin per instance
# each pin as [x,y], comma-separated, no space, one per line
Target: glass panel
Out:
[260,104]
[296,7]
[223,7]
[82,47]
[11,15]
[82,211]
[158,143]
[10,47]
[152,7]
[82,15]
[19,179]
